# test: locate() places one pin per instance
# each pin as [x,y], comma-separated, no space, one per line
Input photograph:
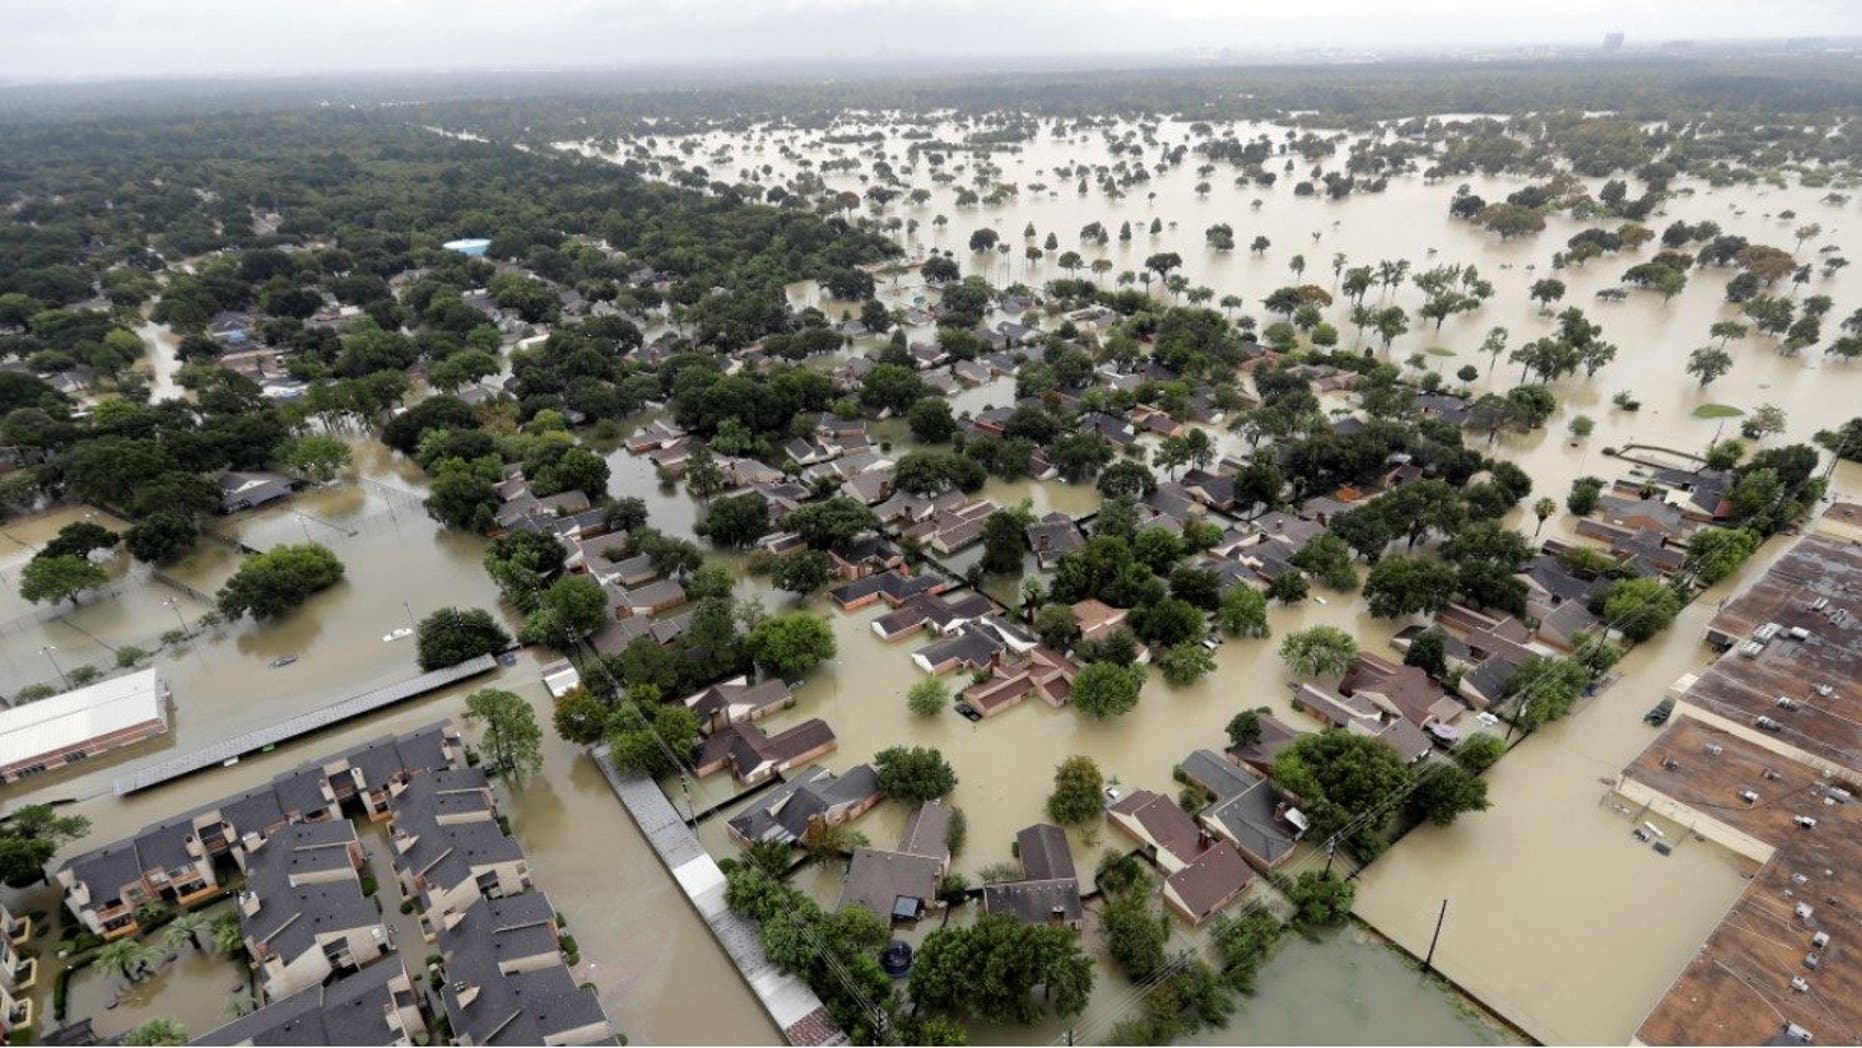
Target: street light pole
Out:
[410,615]
[176,608]
[47,652]
[302,523]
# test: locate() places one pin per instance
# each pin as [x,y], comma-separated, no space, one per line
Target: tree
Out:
[913,775]
[161,537]
[1585,494]
[1135,934]
[1714,553]
[159,1031]
[450,636]
[790,645]
[1510,220]
[1546,689]
[57,579]
[29,837]
[462,498]
[1546,291]
[832,524]
[129,958]
[1480,752]
[1344,781]
[1443,791]
[1641,608]
[1079,456]
[703,476]
[185,928]
[1403,585]
[931,421]
[572,608]
[1002,542]
[1106,689]
[512,741]
[1185,664]
[272,583]
[1243,613]
[317,456]
[1428,652]
[928,697]
[803,572]
[990,970]
[1079,789]
[1319,651]
[1328,558]
[736,521]
[582,718]
[1322,899]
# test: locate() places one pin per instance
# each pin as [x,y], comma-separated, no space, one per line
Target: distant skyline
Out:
[129,39]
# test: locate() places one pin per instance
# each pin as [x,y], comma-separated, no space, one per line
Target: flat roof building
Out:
[87,722]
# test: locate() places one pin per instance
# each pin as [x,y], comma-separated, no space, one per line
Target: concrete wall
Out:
[1695,821]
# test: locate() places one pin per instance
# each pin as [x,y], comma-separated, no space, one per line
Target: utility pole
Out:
[47,652]
[1428,963]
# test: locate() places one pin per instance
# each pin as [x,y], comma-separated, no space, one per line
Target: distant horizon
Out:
[695,72]
[124,41]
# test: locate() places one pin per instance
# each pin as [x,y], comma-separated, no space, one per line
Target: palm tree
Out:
[185,928]
[126,957]
[1543,509]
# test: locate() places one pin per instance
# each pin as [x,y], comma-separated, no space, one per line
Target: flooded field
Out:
[1540,888]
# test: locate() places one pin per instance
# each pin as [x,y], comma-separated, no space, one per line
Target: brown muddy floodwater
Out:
[1557,918]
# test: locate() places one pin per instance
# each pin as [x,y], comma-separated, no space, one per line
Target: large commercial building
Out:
[88,722]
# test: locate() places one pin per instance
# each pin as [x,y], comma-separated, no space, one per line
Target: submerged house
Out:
[810,798]
[902,884]
[1049,890]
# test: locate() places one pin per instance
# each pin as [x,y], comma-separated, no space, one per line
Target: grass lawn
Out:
[1717,411]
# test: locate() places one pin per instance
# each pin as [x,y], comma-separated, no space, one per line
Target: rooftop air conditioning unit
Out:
[1714,749]
[1786,702]
[1805,821]
[1820,940]
[1749,796]
[1798,984]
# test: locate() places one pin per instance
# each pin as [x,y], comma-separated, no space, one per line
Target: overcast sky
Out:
[120,39]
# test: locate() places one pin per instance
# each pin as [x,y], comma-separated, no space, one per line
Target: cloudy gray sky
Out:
[118,39]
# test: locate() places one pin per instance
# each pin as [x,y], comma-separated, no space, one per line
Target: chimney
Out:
[467,993]
[1057,917]
[249,903]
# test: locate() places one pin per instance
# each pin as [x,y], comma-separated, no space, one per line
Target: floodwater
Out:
[1547,883]
[1543,888]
